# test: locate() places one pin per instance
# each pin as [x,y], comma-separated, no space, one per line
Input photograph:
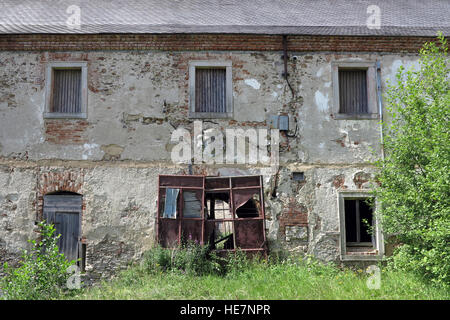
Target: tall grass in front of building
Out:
[163,275]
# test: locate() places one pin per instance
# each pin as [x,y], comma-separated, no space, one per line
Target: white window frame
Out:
[55,65]
[227,65]
[371,74]
[379,241]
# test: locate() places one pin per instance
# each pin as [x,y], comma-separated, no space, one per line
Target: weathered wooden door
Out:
[64,211]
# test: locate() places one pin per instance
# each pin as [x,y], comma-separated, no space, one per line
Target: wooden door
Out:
[64,211]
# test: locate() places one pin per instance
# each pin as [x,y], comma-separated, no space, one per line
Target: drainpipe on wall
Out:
[285,59]
[380,107]
[285,75]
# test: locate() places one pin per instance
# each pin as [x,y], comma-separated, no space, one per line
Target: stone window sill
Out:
[56,115]
[344,116]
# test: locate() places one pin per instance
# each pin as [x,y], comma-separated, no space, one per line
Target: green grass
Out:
[264,281]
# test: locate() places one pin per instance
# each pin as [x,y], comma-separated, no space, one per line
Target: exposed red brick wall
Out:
[338,181]
[64,131]
[73,42]
[360,178]
[295,214]
[54,180]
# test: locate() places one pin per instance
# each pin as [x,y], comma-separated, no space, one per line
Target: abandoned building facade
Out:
[87,122]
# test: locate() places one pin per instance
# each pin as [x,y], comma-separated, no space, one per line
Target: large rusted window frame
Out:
[239,188]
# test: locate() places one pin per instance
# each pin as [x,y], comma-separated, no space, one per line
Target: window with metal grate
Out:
[66,91]
[353,91]
[210,90]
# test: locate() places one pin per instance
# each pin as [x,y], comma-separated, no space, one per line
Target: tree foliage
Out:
[415,174]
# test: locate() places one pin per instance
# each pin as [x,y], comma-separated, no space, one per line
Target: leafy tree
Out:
[42,272]
[414,177]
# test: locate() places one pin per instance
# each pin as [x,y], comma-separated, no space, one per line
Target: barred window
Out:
[353,91]
[210,89]
[66,90]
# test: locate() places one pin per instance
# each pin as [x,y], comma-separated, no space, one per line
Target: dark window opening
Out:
[66,91]
[298,176]
[218,205]
[358,223]
[225,213]
[353,91]
[249,209]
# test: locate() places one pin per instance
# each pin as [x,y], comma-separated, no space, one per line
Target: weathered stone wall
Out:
[136,99]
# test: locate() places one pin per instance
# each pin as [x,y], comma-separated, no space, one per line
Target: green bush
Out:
[42,272]
[415,175]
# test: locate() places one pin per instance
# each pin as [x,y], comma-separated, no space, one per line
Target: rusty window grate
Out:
[225,213]
[353,91]
[210,90]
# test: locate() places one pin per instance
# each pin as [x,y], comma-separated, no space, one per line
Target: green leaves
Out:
[415,175]
[42,272]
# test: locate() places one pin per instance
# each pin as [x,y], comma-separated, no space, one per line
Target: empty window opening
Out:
[358,223]
[353,91]
[298,176]
[221,235]
[251,208]
[218,205]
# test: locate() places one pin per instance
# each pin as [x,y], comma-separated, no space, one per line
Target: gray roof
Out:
[304,17]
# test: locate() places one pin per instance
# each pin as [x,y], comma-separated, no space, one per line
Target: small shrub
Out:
[200,260]
[157,259]
[42,272]
[190,258]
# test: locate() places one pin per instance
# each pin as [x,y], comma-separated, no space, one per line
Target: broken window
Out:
[66,90]
[353,91]
[210,89]
[225,213]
